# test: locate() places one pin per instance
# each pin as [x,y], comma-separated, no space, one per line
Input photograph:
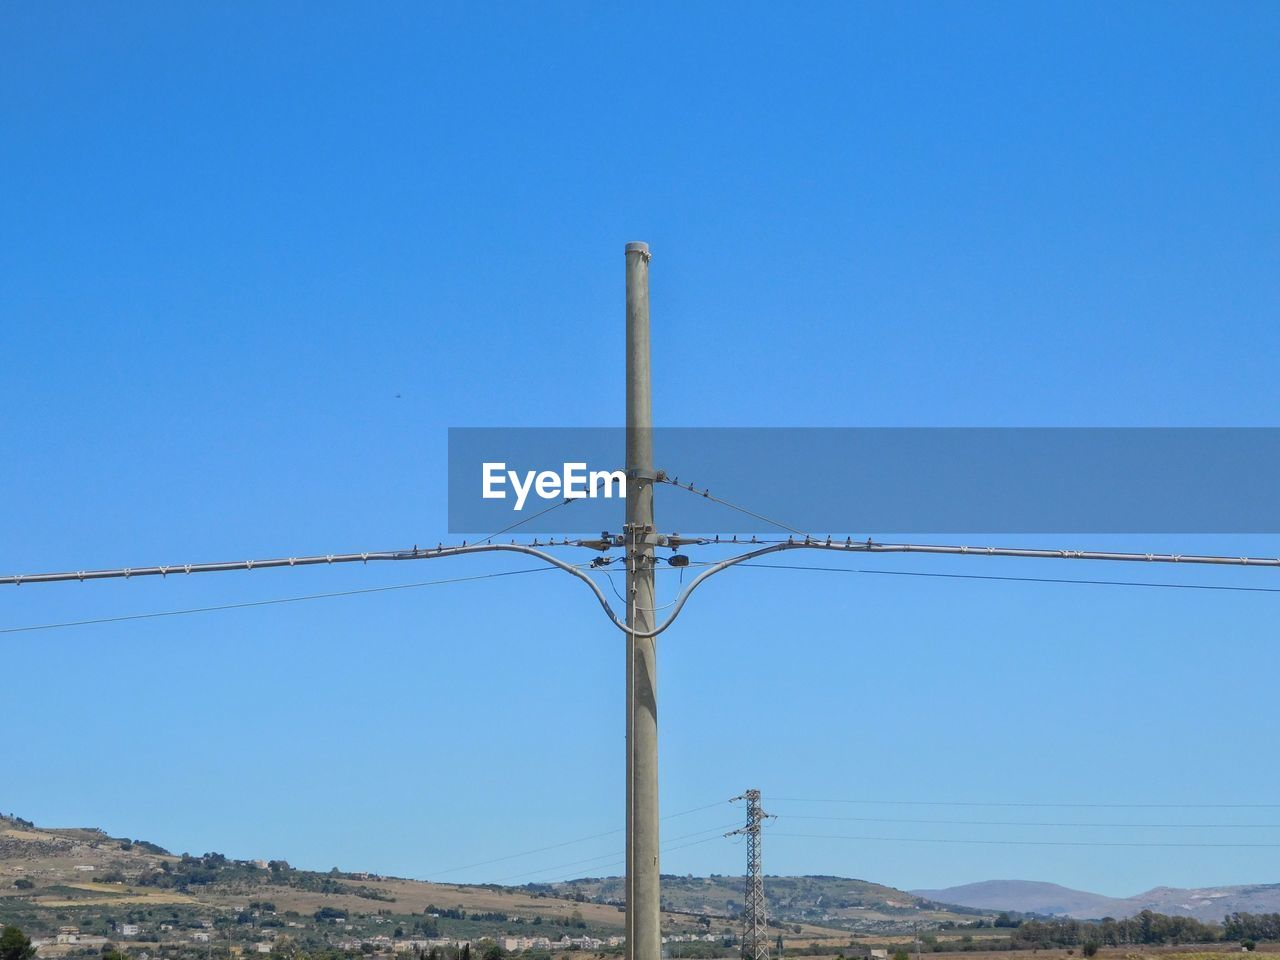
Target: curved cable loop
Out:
[677,605]
[869,546]
[531,551]
[808,543]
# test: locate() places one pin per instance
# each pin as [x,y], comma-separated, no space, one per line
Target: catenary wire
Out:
[534,516]
[621,862]
[537,550]
[1031,803]
[1033,823]
[266,603]
[707,495]
[569,843]
[608,574]
[596,859]
[718,831]
[1009,579]
[1025,843]
[279,600]
[769,566]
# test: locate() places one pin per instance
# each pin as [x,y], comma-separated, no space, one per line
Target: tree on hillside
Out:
[15,945]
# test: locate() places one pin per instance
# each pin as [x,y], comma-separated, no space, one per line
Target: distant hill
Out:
[829,901]
[1029,896]
[100,884]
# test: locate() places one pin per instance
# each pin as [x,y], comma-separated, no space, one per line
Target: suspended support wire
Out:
[541,513]
[705,494]
[246,604]
[432,553]
[1025,843]
[537,550]
[716,833]
[568,843]
[1068,804]
[621,861]
[869,546]
[1008,579]
[369,556]
[1038,823]
[668,846]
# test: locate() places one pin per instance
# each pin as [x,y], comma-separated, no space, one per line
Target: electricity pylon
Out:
[755,936]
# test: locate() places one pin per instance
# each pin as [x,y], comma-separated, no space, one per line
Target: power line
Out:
[979,576]
[569,843]
[647,630]
[706,495]
[266,603]
[716,831]
[1033,803]
[605,856]
[520,523]
[1026,843]
[848,545]
[1031,823]
[540,513]
[439,551]
[527,853]
[622,861]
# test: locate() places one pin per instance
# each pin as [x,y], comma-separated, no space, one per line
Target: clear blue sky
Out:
[255,262]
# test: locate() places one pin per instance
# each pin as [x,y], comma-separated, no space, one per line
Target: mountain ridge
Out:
[1051,899]
[101,882]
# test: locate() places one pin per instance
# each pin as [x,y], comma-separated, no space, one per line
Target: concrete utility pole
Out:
[644,931]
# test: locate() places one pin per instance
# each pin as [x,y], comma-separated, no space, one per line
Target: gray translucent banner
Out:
[868,480]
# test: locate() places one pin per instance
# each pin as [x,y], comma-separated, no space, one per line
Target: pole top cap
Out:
[636,246]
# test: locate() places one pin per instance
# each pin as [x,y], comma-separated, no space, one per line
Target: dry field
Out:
[1184,952]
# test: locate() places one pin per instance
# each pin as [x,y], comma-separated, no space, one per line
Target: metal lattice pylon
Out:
[755,935]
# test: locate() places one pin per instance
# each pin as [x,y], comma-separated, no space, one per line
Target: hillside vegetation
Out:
[100,885]
[830,901]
